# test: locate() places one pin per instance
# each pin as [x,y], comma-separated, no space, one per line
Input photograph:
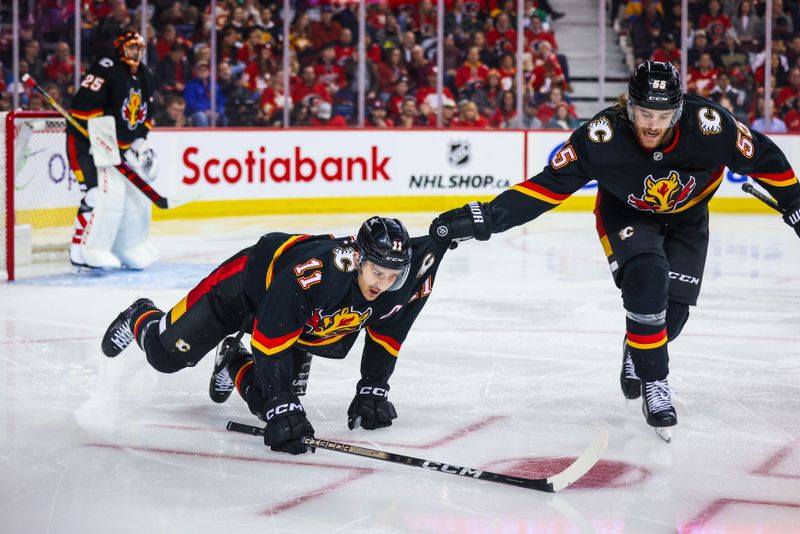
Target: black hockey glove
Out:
[791,216]
[471,220]
[371,408]
[286,424]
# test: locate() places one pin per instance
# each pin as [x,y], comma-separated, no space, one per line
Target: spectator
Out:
[470,118]
[273,100]
[326,31]
[547,109]
[668,51]
[300,39]
[723,89]
[487,96]
[789,92]
[730,53]
[321,115]
[327,71]
[257,74]
[377,115]
[344,48]
[197,95]
[427,97]
[418,67]
[449,118]
[562,119]
[391,70]
[700,46]
[399,94]
[537,33]
[60,67]
[171,115]
[701,79]
[308,85]
[502,38]
[473,70]
[747,25]
[646,32]
[485,55]
[172,72]
[32,54]
[759,124]
[529,119]
[506,113]
[409,42]
[792,118]
[409,116]
[782,25]
[715,22]
[109,29]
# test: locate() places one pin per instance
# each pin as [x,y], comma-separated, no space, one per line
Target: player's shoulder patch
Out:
[600,130]
[106,62]
[709,120]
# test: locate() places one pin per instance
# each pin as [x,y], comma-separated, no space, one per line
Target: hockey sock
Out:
[647,344]
[140,324]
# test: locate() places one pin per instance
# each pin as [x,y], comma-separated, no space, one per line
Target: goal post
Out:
[40,193]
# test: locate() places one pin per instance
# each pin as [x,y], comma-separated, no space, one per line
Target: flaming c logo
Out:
[338,323]
[662,194]
[134,111]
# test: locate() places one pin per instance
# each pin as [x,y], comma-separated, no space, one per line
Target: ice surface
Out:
[512,365]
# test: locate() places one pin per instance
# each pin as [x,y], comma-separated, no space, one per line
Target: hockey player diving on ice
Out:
[298,296]
[658,157]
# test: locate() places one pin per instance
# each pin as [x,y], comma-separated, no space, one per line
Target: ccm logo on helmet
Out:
[378,392]
[284,408]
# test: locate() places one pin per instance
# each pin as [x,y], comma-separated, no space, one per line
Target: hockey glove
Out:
[471,220]
[142,158]
[792,216]
[371,408]
[286,424]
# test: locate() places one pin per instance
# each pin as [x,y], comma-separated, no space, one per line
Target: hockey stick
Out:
[769,201]
[123,167]
[551,484]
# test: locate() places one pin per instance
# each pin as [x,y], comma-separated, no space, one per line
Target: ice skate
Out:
[221,385]
[628,381]
[657,408]
[119,333]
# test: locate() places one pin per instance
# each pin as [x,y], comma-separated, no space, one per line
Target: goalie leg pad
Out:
[96,226]
[131,245]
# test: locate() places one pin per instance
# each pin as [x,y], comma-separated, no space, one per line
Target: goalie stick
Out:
[769,201]
[123,167]
[551,484]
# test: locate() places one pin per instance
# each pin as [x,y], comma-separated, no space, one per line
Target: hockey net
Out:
[40,194]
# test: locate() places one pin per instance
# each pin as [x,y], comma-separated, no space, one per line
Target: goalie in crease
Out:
[115,103]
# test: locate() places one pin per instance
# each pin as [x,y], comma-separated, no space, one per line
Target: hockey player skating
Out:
[658,157]
[115,103]
[298,295]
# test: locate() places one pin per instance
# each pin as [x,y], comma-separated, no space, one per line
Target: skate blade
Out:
[85,270]
[663,433]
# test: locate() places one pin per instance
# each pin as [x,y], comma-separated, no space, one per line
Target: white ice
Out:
[511,367]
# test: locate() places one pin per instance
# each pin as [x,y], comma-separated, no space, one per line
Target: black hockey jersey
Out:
[306,295]
[109,88]
[668,181]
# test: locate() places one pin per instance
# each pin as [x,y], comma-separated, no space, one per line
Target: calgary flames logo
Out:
[664,194]
[338,323]
[134,111]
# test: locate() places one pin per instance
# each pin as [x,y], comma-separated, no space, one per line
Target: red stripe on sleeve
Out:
[386,339]
[784,176]
[542,190]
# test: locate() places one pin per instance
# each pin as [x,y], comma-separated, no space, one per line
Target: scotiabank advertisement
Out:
[273,164]
[252,164]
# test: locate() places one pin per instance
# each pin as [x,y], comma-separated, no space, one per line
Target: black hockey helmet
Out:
[385,242]
[656,85]
[130,38]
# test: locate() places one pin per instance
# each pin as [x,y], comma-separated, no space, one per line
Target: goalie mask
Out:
[130,49]
[655,85]
[385,242]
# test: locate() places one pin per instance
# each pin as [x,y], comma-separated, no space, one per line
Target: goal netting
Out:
[40,193]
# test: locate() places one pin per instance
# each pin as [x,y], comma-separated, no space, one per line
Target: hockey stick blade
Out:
[769,201]
[557,482]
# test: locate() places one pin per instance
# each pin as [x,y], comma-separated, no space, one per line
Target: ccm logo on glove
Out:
[284,408]
[378,392]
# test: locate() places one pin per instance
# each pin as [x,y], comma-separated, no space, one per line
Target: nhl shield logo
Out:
[459,153]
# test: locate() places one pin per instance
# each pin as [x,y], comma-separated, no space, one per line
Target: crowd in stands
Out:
[725,54]
[725,50]
[479,61]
